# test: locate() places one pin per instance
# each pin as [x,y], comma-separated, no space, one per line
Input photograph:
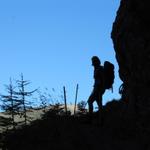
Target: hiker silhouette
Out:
[103,79]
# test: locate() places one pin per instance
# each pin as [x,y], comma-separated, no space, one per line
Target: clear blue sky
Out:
[52,41]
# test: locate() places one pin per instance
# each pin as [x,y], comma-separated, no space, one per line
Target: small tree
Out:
[44,100]
[22,94]
[10,102]
[81,106]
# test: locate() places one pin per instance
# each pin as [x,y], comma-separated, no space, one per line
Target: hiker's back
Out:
[99,76]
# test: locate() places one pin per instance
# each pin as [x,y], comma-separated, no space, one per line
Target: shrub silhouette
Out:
[81,107]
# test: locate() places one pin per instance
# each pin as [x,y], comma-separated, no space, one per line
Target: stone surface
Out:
[131,38]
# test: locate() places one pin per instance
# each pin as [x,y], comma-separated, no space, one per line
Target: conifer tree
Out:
[10,103]
[22,94]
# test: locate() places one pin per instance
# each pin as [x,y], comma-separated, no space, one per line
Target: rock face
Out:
[131,38]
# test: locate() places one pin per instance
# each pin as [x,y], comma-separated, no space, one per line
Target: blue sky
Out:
[52,41]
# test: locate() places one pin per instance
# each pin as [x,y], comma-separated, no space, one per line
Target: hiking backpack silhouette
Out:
[109,75]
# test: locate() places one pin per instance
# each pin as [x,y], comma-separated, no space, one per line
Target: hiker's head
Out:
[95,61]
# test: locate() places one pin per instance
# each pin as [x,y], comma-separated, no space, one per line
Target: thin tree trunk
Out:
[23,100]
[12,106]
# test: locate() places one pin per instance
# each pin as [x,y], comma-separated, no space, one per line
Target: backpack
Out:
[109,75]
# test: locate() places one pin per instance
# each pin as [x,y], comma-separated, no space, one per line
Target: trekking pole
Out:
[77,87]
[65,99]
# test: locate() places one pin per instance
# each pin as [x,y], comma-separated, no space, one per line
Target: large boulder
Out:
[131,38]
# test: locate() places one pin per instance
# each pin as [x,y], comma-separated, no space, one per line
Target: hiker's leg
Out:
[99,96]
[90,103]
[99,103]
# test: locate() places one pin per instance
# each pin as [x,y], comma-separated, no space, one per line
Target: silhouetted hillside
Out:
[82,132]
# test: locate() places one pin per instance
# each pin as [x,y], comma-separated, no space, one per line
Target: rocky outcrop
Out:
[131,38]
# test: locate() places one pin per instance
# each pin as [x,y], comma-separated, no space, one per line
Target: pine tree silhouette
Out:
[10,102]
[22,94]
